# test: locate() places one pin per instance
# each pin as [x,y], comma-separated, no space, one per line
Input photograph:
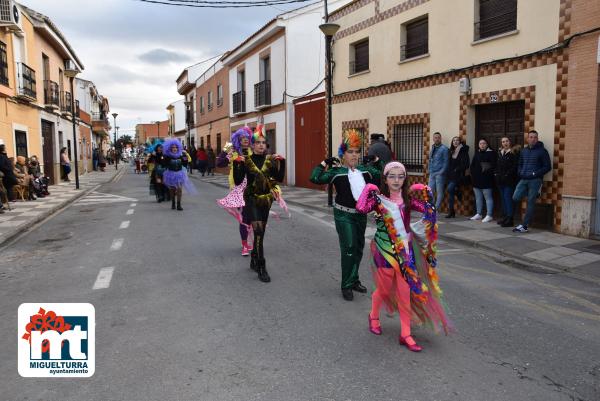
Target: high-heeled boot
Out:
[173,203]
[179,206]
[254,261]
[262,271]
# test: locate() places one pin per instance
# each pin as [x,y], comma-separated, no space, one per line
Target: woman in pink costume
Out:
[404,254]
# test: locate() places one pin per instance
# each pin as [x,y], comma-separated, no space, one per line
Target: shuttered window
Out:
[417,39]
[3,65]
[361,57]
[496,17]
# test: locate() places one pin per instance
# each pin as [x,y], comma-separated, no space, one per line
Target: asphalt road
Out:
[184,318]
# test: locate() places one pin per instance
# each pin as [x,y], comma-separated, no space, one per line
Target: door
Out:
[48,149]
[309,140]
[497,120]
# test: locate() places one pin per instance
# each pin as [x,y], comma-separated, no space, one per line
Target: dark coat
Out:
[380,149]
[506,169]
[483,166]
[534,162]
[458,166]
[6,166]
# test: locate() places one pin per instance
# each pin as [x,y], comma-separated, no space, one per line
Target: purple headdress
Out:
[236,138]
[167,148]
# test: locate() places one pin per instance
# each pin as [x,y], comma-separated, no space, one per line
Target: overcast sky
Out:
[134,51]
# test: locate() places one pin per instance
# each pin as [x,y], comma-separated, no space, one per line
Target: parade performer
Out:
[349,180]
[156,163]
[234,203]
[404,254]
[175,176]
[262,172]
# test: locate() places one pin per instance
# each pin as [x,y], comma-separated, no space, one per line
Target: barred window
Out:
[3,65]
[495,17]
[407,142]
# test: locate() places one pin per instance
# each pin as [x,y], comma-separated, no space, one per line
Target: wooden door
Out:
[497,120]
[309,140]
[48,149]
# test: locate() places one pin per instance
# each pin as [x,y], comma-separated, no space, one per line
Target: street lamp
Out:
[115,142]
[71,72]
[329,30]
[188,108]
[158,128]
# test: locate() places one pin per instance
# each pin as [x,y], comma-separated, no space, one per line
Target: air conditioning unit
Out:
[9,15]
[464,85]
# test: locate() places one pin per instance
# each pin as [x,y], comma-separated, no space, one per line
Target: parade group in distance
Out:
[402,253]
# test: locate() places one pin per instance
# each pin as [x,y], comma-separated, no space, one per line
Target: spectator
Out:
[202,158]
[457,167]
[211,160]
[101,160]
[482,174]
[6,167]
[65,165]
[25,179]
[534,162]
[40,183]
[506,178]
[192,153]
[380,149]
[438,167]
[95,159]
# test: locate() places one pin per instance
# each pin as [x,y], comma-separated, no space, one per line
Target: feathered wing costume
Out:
[175,176]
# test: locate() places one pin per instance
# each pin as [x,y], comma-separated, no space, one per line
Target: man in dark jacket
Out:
[378,148]
[534,162]
[9,179]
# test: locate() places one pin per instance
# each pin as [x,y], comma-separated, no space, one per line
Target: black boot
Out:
[451,215]
[502,220]
[173,204]
[262,271]
[347,294]
[508,222]
[179,206]
[254,261]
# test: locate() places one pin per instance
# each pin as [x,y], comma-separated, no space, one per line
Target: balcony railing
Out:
[413,50]
[496,25]
[99,116]
[262,93]
[66,106]
[239,102]
[51,94]
[26,80]
[358,66]
[210,106]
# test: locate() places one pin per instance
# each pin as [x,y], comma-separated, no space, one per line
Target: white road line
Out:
[116,244]
[133,205]
[124,225]
[130,211]
[103,279]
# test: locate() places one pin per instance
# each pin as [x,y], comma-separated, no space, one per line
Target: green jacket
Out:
[338,176]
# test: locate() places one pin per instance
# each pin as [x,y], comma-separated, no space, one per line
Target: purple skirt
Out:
[178,179]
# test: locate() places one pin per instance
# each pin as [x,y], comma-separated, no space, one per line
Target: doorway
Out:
[309,139]
[48,149]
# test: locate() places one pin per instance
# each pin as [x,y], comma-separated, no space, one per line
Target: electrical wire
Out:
[221,4]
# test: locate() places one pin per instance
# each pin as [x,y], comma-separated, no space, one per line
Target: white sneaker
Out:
[476,217]
[487,219]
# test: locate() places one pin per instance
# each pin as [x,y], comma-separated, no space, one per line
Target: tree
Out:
[126,139]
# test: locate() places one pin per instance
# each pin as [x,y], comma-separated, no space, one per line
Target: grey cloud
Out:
[163,56]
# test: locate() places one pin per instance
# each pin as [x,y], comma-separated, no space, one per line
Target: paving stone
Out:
[477,235]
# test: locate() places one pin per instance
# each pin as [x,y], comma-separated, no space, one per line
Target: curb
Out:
[5,240]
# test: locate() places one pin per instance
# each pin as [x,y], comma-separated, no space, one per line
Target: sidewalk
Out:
[538,247]
[26,214]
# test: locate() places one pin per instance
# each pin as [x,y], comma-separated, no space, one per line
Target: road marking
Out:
[124,225]
[116,244]
[130,211]
[103,279]
[133,205]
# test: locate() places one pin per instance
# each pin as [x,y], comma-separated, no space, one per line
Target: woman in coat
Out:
[202,160]
[482,169]
[459,163]
[506,178]
[65,164]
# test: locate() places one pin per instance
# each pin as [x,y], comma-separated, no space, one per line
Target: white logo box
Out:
[77,362]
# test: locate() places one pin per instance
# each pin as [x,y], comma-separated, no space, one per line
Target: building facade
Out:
[501,73]
[146,133]
[177,121]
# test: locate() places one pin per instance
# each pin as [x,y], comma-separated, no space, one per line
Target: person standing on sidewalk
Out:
[438,168]
[211,160]
[202,160]
[457,167]
[534,162]
[9,179]
[482,174]
[349,180]
[405,282]
[65,165]
[506,178]
[95,159]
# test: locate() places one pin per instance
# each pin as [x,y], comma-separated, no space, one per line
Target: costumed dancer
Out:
[262,172]
[234,203]
[156,163]
[404,254]
[349,180]
[175,176]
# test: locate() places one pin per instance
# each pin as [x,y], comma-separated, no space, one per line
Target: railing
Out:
[407,141]
[358,66]
[413,50]
[209,107]
[99,116]
[496,25]
[66,106]
[239,102]
[26,80]
[219,102]
[262,93]
[51,94]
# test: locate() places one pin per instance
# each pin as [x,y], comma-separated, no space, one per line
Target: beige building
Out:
[477,69]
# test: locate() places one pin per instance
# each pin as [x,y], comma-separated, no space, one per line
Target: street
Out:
[180,316]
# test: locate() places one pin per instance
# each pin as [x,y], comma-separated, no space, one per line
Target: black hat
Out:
[376,136]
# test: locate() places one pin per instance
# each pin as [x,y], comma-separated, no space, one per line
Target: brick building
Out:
[147,132]
[509,66]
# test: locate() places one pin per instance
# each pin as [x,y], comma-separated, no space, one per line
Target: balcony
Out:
[262,94]
[26,82]
[51,94]
[65,104]
[413,50]
[239,102]
[357,67]
[100,124]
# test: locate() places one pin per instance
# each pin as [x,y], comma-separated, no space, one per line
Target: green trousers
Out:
[351,232]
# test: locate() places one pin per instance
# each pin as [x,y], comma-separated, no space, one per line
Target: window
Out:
[46,63]
[407,140]
[271,141]
[241,81]
[359,57]
[21,143]
[265,68]
[210,101]
[219,144]
[201,104]
[219,95]
[208,141]
[416,39]
[3,65]
[202,142]
[495,17]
